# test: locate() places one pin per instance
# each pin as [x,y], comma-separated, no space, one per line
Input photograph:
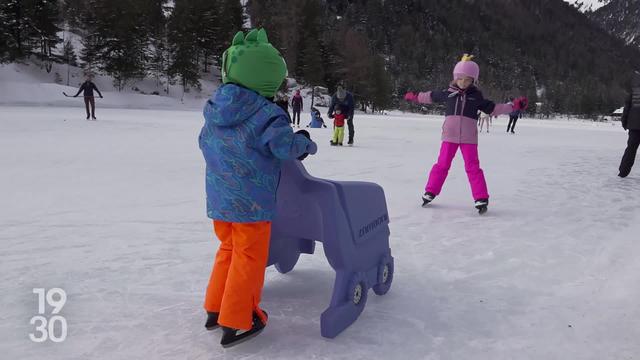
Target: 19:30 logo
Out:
[55,327]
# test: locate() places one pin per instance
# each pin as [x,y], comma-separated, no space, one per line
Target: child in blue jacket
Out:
[244,140]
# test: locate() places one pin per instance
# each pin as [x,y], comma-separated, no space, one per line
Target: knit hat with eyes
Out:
[254,63]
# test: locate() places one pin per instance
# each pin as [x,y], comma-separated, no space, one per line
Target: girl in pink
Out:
[463,100]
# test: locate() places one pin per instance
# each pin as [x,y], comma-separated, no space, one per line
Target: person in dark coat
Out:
[296,106]
[88,86]
[631,122]
[344,99]
[282,99]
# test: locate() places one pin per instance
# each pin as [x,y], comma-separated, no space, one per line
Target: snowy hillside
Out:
[621,18]
[588,5]
[112,212]
[28,84]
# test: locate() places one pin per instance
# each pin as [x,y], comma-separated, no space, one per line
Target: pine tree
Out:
[124,51]
[69,54]
[183,44]
[116,40]
[12,27]
[6,38]
[380,85]
[41,17]
[156,24]
[281,20]
[73,11]
[28,27]
[92,40]
[210,34]
[310,65]
[232,19]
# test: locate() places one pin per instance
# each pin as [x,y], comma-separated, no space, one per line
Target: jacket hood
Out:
[232,105]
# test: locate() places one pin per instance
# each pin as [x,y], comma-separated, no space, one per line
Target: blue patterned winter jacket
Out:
[243,140]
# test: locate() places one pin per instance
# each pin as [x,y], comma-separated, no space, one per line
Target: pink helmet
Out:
[466,67]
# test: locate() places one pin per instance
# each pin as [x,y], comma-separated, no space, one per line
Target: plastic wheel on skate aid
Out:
[385,277]
[358,292]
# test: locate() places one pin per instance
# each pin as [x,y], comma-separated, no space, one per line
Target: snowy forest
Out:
[547,50]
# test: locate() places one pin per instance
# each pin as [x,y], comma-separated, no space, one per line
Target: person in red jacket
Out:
[338,126]
[519,106]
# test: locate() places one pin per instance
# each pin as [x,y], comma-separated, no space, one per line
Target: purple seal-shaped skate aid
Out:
[351,221]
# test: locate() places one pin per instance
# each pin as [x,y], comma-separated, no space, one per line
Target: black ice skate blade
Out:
[482,210]
[239,339]
[213,327]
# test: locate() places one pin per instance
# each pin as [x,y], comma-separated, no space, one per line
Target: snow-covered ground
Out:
[113,212]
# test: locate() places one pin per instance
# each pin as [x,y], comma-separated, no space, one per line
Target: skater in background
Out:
[316,120]
[296,107]
[244,139]
[345,99]
[282,99]
[513,116]
[88,86]
[485,118]
[631,123]
[519,105]
[463,100]
[338,126]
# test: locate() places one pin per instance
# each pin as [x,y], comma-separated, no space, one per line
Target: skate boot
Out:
[212,321]
[427,198]
[482,205]
[231,337]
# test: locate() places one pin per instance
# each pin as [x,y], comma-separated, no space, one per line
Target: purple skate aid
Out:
[351,221]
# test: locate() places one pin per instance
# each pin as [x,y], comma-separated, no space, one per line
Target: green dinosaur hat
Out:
[254,63]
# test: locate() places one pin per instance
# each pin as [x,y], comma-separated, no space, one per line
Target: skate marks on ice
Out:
[584,192]
[556,241]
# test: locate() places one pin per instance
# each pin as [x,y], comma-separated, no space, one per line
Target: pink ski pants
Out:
[439,171]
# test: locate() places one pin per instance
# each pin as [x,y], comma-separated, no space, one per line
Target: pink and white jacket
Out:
[461,116]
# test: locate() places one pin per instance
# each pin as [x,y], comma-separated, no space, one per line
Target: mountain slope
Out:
[547,50]
[621,18]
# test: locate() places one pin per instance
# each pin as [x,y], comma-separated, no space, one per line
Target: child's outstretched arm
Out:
[428,97]
[489,107]
[278,140]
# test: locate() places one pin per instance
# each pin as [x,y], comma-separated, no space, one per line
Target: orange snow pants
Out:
[237,277]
